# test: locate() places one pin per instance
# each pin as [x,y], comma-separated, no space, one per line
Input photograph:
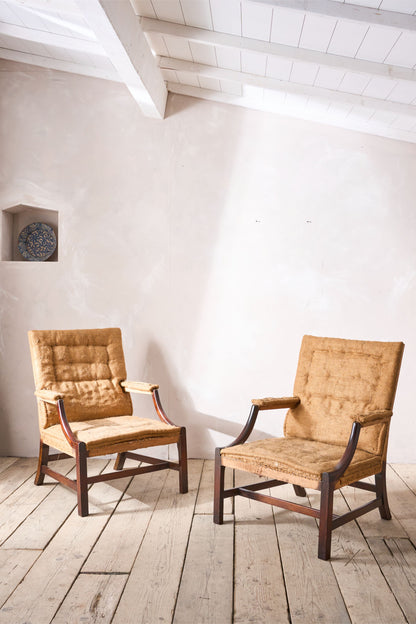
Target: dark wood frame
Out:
[327,520]
[82,481]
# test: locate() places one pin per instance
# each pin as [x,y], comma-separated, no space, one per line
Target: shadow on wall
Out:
[198,424]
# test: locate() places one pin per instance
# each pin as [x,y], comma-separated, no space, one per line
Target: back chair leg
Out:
[183,462]
[325,517]
[381,492]
[218,488]
[82,485]
[120,459]
[299,490]
[43,461]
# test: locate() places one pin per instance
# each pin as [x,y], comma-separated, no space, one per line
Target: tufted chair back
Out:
[337,378]
[86,367]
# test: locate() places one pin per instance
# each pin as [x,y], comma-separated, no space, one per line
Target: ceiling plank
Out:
[324,118]
[66,66]
[360,66]
[118,30]
[350,12]
[287,87]
[48,38]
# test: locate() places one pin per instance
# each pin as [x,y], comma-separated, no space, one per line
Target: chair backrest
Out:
[86,366]
[338,378]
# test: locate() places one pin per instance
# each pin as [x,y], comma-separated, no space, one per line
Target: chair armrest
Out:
[54,398]
[372,418]
[138,386]
[48,396]
[276,403]
[262,404]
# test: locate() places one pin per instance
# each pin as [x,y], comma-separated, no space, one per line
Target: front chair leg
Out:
[381,492]
[43,461]
[218,488]
[82,485]
[325,517]
[183,462]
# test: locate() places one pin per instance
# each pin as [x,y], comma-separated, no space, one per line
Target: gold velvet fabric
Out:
[298,461]
[113,435]
[86,367]
[337,381]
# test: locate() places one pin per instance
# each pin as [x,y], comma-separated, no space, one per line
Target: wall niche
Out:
[15,219]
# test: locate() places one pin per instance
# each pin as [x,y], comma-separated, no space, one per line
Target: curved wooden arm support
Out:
[54,398]
[363,420]
[66,428]
[147,388]
[262,404]
[248,427]
[346,459]
[159,409]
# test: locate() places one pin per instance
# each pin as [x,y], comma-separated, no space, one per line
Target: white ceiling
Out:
[345,63]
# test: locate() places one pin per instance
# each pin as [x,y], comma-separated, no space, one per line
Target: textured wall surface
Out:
[215,239]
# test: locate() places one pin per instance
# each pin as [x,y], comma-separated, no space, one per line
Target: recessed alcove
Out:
[17,217]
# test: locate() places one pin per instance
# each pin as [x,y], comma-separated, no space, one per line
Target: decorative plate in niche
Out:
[37,242]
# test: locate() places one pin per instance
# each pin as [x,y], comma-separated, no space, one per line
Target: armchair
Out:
[85,409]
[335,432]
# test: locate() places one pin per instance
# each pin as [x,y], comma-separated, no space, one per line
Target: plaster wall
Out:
[215,239]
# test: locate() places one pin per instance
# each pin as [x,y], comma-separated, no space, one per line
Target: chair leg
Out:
[183,462]
[43,461]
[82,485]
[381,492]
[218,488]
[299,490]
[325,518]
[120,459]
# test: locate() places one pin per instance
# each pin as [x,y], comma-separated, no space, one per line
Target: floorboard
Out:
[148,554]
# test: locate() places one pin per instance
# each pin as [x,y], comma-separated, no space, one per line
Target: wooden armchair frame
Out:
[82,481]
[327,520]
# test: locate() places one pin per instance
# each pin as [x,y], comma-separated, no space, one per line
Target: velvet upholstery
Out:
[85,367]
[114,434]
[337,379]
[298,461]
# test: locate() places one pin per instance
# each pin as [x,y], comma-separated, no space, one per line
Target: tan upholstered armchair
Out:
[85,408]
[335,432]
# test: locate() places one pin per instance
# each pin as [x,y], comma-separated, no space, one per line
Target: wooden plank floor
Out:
[150,555]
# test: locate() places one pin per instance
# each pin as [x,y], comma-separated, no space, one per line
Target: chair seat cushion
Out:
[115,434]
[298,461]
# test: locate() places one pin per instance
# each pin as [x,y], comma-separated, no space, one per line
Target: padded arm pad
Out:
[138,386]
[272,403]
[49,396]
[372,418]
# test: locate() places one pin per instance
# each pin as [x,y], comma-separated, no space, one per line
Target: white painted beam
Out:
[368,128]
[287,87]
[350,12]
[67,7]
[292,53]
[66,66]
[118,30]
[48,38]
